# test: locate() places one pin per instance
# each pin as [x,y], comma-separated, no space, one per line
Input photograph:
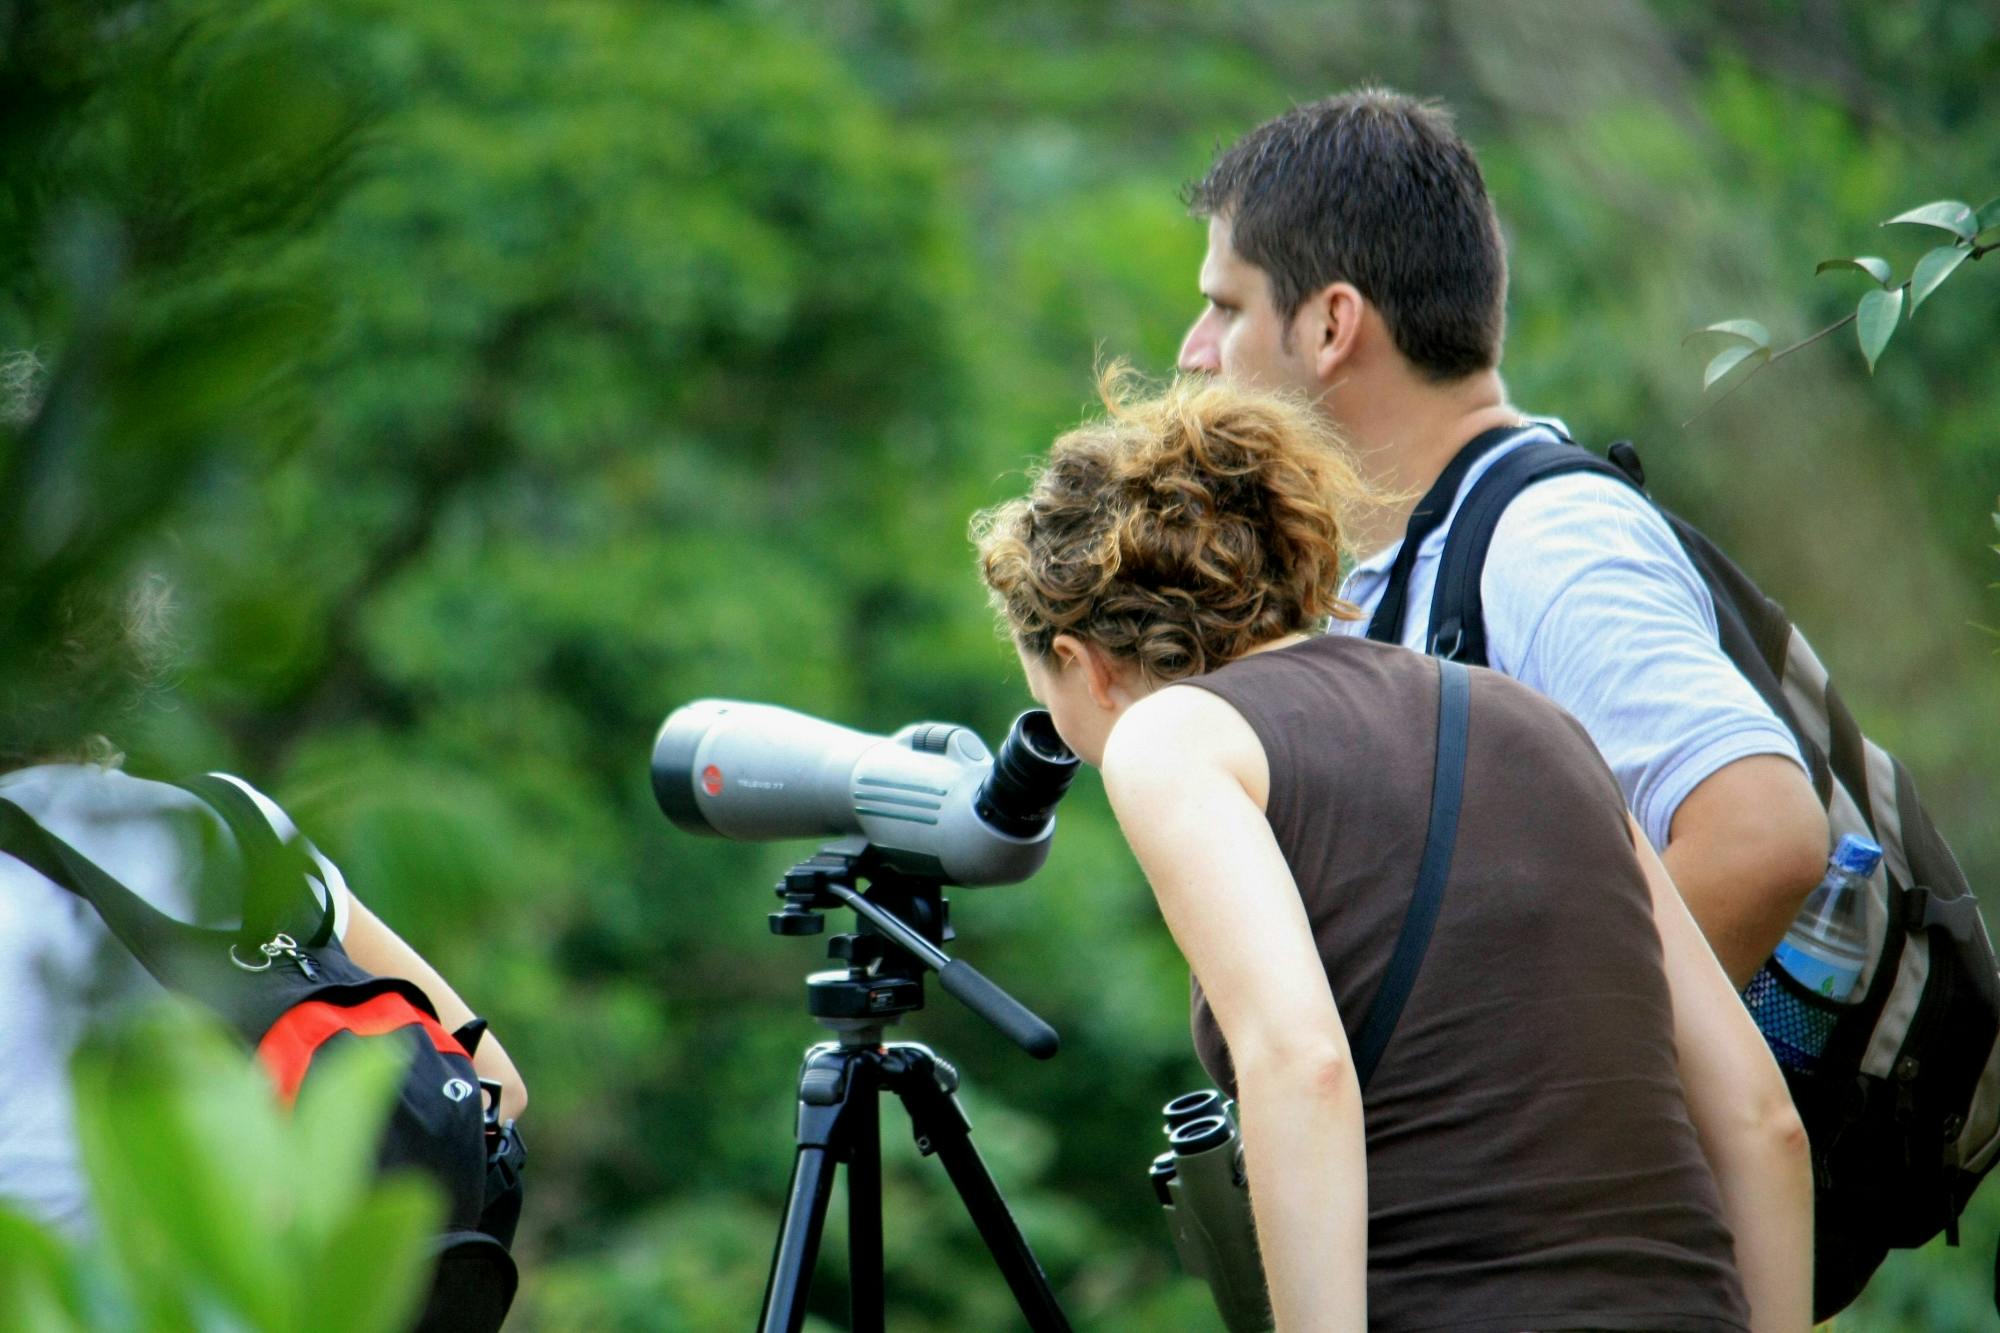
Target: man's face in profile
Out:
[1240,334]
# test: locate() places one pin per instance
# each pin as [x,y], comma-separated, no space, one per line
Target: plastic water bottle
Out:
[1823,954]
[1827,946]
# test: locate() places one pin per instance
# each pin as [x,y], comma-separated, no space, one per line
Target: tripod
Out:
[903,920]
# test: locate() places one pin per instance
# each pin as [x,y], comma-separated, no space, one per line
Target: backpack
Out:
[288,989]
[1903,1109]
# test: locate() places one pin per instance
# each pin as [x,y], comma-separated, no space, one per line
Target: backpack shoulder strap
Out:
[1458,618]
[1386,625]
[275,868]
[1440,838]
[181,957]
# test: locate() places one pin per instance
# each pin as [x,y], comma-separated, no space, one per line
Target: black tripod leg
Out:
[828,1089]
[861,1129]
[941,1128]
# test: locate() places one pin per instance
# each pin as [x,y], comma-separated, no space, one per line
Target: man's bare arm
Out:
[1745,848]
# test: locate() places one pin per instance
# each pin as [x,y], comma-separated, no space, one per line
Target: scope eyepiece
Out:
[1030,774]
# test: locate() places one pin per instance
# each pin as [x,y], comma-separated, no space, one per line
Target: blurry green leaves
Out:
[157,170]
[1748,341]
[1874,266]
[1945,215]
[216,1208]
[1875,322]
[1878,313]
[1933,269]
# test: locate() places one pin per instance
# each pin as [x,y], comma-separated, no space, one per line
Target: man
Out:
[1353,256]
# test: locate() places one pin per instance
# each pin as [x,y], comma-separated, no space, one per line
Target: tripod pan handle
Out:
[1022,1026]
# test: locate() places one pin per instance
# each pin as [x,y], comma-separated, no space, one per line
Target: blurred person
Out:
[1575,1124]
[1354,257]
[61,969]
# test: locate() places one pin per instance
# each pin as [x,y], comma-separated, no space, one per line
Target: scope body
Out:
[930,798]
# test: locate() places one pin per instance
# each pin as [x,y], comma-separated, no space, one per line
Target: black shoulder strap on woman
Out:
[1440,837]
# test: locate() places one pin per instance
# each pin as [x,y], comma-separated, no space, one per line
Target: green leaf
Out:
[1932,270]
[1945,214]
[1989,213]
[371,1274]
[1874,266]
[1875,322]
[337,1126]
[1748,330]
[182,1141]
[38,1281]
[1728,359]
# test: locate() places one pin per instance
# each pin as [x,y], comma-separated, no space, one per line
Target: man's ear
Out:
[1328,328]
[1100,673]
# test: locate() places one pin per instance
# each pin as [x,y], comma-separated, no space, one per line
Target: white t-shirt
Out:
[1590,600]
[60,968]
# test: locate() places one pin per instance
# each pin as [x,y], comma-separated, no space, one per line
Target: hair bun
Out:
[1187,527]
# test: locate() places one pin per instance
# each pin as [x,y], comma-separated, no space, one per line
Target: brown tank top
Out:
[1531,1164]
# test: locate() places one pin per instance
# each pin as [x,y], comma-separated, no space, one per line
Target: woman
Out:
[1575,1124]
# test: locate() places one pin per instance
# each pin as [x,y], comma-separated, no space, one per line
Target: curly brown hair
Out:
[1188,526]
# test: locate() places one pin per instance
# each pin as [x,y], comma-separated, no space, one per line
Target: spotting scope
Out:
[931,799]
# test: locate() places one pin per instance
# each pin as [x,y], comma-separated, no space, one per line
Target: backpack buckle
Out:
[1958,917]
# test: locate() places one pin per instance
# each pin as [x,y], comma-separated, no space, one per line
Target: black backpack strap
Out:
[1440,838]
[181,957]
[1458,618]
[1386,625]
[274,868]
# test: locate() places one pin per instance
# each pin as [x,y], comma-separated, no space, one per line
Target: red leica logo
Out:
[711,780]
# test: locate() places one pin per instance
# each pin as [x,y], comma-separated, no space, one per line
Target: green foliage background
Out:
[482,381]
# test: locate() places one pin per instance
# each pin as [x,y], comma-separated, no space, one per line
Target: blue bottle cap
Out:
[1857,855]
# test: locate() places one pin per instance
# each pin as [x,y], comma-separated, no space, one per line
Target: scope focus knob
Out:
[932,737]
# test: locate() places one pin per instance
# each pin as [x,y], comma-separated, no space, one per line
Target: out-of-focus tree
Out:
[663,351]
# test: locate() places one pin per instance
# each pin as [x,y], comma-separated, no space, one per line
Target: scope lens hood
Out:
[673,767]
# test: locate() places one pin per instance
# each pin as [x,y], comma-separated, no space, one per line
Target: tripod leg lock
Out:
[823,1085]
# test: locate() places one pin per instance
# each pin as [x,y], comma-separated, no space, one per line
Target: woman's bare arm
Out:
[1180,768]
[1743,1114]
[371,943]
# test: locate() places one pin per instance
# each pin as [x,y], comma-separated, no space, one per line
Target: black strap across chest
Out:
[1457,627]
[1406,959]
[1387,623]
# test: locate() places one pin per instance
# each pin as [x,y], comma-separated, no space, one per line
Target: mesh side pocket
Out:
[1797,1028]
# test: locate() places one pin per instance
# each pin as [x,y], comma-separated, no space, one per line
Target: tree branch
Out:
[1805,342]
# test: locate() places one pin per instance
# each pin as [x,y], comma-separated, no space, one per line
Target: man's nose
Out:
[1200,353]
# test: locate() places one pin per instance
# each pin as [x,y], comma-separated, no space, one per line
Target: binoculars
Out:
[1200,1182]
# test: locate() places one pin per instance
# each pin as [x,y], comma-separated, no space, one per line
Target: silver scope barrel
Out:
[930,798]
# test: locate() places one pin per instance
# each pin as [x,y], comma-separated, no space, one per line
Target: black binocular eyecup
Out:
[1192,1105]
[1210,1131]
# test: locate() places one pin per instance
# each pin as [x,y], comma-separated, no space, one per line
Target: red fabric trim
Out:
[288,1048]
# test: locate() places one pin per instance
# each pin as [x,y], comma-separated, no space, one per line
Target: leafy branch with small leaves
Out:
[1880,312]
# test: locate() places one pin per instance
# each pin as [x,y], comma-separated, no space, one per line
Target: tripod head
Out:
[904,920]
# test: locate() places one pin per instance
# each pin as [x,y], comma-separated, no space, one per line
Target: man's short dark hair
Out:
[1377,189]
